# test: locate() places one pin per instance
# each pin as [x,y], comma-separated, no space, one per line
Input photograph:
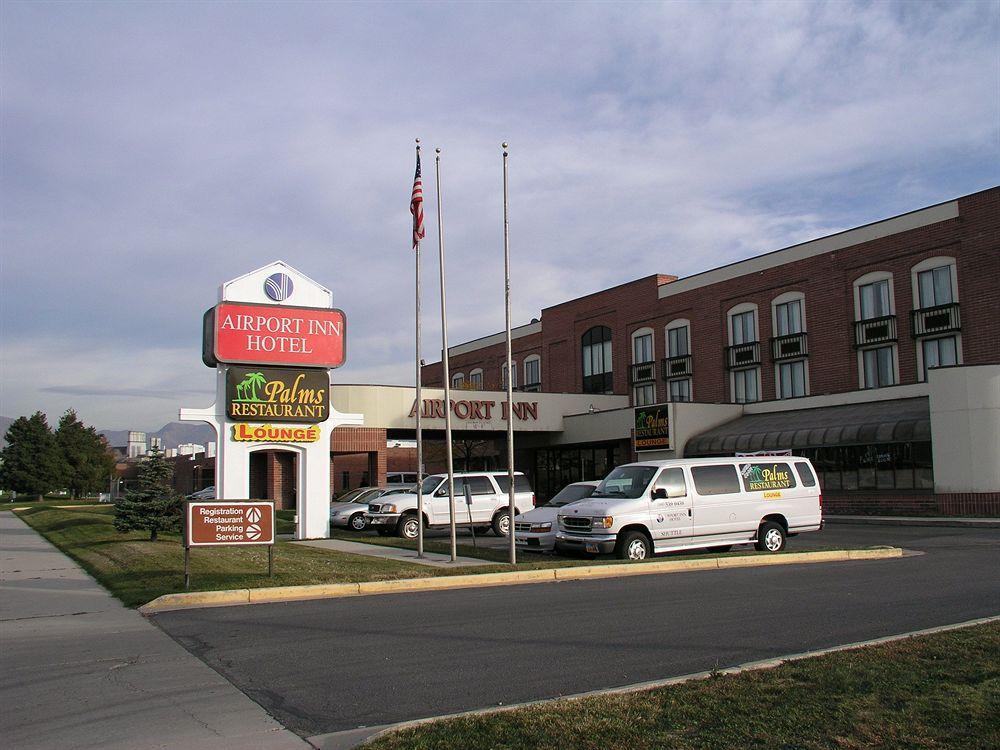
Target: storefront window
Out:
[884,466]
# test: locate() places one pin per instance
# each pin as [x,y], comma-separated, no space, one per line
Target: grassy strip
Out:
[934,691]
[47,503]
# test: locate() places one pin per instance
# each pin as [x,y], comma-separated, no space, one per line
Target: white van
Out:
[658,506]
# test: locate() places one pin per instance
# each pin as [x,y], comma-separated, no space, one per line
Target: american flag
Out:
[417,205]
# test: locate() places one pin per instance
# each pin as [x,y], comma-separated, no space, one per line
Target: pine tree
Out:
[85,454]
[31,461]
[153,505]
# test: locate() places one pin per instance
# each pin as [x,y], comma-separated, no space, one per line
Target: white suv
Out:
[486,505]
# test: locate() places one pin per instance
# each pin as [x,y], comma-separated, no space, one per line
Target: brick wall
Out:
[827,283]
[985,505]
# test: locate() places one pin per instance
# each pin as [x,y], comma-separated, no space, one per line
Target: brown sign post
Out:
[228,523]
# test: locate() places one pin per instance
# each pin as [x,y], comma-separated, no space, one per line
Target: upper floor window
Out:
[457,380]
[874,299]
[476,380]
[934,287]
[503,376]
[532,370]
[596,354]
[788,317]
[743,327]
[680,389]
[642,346]
[677,341]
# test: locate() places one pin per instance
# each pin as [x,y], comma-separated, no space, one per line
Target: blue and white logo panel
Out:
[278,286]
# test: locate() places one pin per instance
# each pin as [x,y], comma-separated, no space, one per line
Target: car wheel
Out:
[770,537]
[501,523]
[409,527]
[358,522]
[634,545]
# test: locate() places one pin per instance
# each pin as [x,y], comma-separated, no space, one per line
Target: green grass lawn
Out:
[48,502]
[934,691]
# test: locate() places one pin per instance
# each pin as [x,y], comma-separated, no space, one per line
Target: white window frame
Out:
[690,382]
[782,299]
[533,358]
[472,375]
[926,265]
[743,307]
[643,387]
[673,324]
[652,344]
[871,278]
[503,375]
[460,377]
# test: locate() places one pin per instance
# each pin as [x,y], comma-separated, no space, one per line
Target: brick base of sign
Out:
[971,504]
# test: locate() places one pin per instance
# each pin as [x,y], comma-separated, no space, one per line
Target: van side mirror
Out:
[660,493]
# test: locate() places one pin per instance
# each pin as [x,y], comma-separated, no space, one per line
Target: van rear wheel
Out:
[633,545]
[770,537]
[501,523]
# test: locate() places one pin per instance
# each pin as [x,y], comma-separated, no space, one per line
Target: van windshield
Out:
[625,481]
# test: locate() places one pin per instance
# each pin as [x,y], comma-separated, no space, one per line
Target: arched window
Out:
[503,376]
[458,380]
[596,352]
[476,379]
[533,373]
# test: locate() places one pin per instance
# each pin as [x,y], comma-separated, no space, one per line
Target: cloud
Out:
[152,151]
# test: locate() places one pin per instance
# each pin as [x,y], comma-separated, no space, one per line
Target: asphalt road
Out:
[333,665]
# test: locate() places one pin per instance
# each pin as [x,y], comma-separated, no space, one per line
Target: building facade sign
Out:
[229,523]
[265,433]
[258,394]
[252,333]
[476,410]
[652,428]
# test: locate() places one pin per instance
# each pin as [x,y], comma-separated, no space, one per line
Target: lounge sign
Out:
[652,428]
[265,433]
[268,394]
[251,333]
[229,523]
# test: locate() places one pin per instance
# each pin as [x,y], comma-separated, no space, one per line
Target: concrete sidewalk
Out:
[968,523]
[79,670]
[434,559]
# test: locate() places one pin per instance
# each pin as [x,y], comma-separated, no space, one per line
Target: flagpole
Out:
[420,403]
[511,510]
[444,363]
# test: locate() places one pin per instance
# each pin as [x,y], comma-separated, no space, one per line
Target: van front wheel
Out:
[770,537]
[634,545]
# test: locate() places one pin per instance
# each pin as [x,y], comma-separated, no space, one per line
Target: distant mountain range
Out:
[172,434]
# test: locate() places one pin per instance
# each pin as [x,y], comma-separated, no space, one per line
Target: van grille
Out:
[576,524]
[374,508]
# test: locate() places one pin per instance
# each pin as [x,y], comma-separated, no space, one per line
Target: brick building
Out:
[847,349]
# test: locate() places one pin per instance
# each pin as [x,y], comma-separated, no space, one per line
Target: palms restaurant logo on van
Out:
[256,394]
[758,477]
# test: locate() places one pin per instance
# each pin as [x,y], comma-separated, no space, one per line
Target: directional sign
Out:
[229,523]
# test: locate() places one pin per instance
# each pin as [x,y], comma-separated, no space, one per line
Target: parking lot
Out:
[334,665]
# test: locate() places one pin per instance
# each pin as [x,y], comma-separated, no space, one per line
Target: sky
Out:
[151,151]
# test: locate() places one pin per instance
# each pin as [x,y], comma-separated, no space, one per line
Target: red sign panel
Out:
[279,335]
[229,523]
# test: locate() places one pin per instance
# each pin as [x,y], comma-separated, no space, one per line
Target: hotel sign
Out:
[652,428]
[229,523]
[251,333]
[268,394]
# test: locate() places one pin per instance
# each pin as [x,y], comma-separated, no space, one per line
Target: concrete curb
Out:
[360,737]
[236,597]
[962,523]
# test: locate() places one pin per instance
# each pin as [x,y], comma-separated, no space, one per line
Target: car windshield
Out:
[625,481]
[571,494]
[349,497]
[431,483]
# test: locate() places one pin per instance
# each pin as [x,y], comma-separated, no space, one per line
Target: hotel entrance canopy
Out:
[902,420]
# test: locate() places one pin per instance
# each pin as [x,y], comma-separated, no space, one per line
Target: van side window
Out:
[715,480]
[480,485]
[805,474]
[672,480]
[521,483]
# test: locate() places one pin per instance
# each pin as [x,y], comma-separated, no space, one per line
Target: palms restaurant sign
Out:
[252,333]
[269,394]
[652,428]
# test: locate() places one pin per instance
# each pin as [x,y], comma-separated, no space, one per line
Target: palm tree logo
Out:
[247,389]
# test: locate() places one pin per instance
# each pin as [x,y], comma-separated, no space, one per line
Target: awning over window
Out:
[898,421]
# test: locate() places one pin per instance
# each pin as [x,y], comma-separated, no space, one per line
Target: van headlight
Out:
[388,508]
[540,527]
[604,522]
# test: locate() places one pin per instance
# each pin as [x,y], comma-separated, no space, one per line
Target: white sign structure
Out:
[275,284]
